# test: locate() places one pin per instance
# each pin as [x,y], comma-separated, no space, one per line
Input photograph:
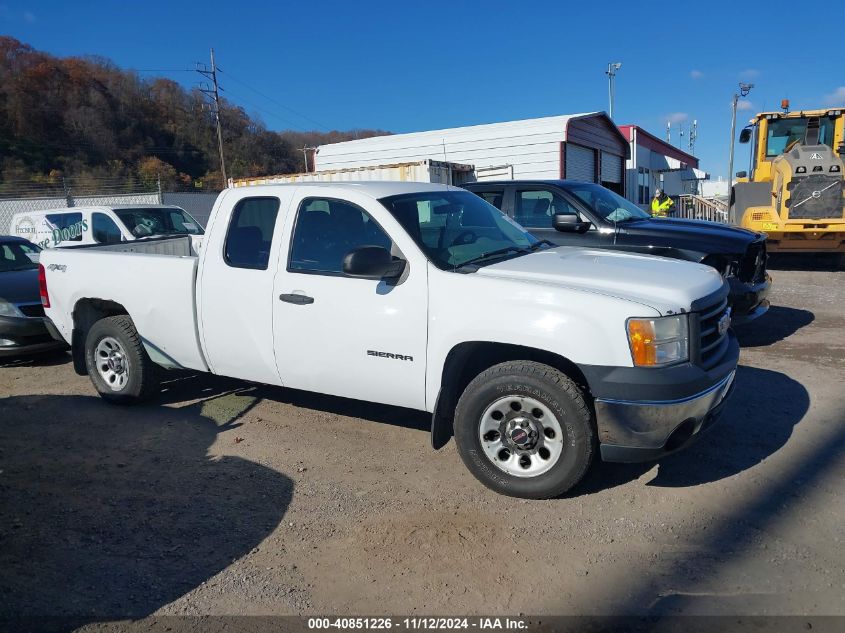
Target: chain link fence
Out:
[28,197]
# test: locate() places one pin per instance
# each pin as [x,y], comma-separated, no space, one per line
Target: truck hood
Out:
[667,285]
[696,235]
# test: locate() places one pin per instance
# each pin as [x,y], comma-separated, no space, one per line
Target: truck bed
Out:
[155,281]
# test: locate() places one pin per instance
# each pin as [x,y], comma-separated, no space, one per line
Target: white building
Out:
[587,147]
[654,163]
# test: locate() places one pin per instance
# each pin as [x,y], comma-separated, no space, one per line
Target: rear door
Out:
[235,289]
[358,338]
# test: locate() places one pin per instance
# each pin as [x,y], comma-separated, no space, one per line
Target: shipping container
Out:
[419,171]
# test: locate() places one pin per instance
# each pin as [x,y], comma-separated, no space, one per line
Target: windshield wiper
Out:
[537,245]
[489,254]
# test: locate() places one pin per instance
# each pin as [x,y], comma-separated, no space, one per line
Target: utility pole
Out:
[611,88]
[305,150]
[744,89]
[214,93]
[668,131]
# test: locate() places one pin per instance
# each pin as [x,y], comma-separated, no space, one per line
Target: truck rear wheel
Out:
[524,429]
[117,362]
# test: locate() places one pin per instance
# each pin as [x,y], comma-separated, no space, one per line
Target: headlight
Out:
[660,341]
[7,309]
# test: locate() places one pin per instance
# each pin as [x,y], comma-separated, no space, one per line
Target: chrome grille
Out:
[712,343]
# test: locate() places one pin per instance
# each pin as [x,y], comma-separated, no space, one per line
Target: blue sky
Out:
[405,66]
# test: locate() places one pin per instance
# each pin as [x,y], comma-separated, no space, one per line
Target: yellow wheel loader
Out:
[794,191]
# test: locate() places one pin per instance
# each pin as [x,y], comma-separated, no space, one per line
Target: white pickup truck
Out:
[422,296]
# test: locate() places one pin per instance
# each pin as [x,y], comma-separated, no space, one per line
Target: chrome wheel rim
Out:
[112,363]
[521,436]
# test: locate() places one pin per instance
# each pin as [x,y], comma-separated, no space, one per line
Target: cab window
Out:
[326,230]
[495,197]
[534,209]
[104,230]
[250,233]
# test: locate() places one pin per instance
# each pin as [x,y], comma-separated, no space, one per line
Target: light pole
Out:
[611,77]
[744,89]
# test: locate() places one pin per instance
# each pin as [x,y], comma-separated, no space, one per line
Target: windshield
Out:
[606,204]
[17,256]
[454,228]
[143,222]
[784,132]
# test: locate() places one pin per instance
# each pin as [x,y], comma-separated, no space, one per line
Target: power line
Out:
[278,103]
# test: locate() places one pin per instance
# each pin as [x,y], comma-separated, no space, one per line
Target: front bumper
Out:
[645,413]
[748,300]
[655,429]
[26,335]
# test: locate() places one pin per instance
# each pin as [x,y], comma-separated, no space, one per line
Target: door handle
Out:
[296,299]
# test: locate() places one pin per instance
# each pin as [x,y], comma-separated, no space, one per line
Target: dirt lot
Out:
[230,498]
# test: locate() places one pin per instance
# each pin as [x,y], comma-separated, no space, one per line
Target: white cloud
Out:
[749,73]
[836,98]
[677,117]
[696,74]
[744,104]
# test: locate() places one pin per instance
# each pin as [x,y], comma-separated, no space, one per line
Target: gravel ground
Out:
[230,498]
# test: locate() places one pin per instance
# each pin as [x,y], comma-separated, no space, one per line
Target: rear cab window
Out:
[249,236]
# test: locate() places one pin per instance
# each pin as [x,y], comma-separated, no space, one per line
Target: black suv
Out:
[570,213]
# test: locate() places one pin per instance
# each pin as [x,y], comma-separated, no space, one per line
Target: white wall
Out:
[532,146]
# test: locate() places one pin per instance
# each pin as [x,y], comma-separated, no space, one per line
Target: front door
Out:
[534,207]
[358,338]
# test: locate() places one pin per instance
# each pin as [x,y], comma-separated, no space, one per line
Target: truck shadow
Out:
[52,358]
[778,323]
[187,386]
[758,420]
[113,512]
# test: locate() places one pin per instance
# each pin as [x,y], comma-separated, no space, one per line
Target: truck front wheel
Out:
[524,429]
[117,362]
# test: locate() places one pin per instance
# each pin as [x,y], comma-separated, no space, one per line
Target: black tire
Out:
[143,376]
[559,394]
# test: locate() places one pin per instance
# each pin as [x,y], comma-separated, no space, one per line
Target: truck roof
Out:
[374,188]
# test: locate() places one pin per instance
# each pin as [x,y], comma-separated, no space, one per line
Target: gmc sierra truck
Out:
[534,357]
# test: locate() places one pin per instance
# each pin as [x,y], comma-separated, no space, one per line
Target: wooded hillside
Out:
[87,119]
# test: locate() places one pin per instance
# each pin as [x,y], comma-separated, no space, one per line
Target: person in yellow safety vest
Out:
[661,204]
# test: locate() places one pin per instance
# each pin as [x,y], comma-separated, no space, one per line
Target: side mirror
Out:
[745,135]
[742,174]
[569,223]
[373,262]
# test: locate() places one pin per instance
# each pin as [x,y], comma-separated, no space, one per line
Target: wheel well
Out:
[465,361]
[86,313]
